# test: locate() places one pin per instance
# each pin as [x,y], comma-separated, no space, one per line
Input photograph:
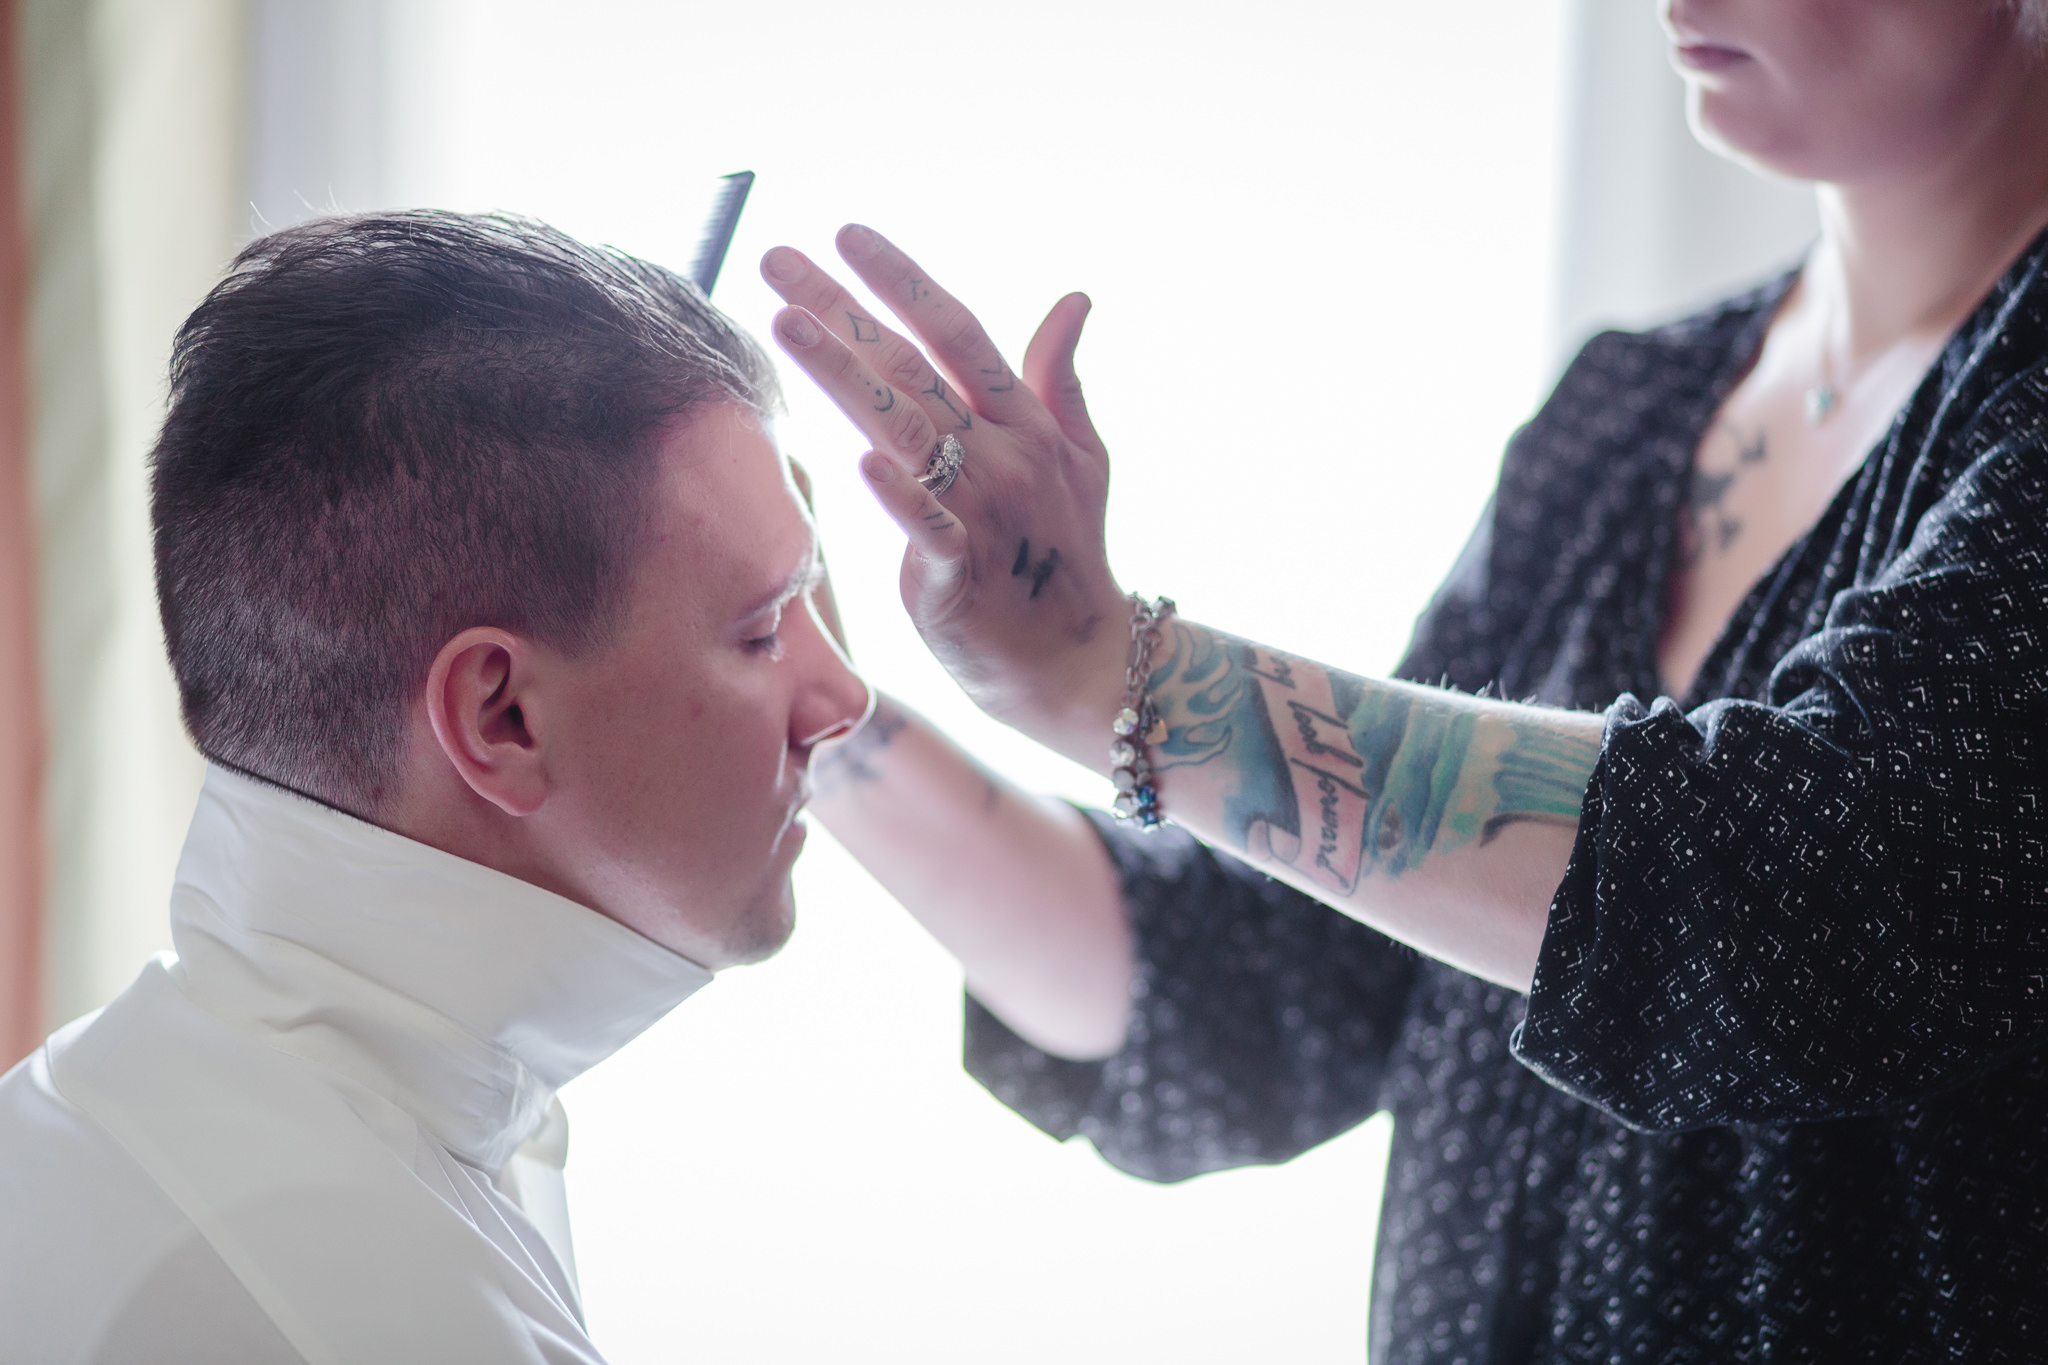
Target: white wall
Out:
[340,107]
[1651,224]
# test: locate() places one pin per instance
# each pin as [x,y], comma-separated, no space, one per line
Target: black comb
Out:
[719,228]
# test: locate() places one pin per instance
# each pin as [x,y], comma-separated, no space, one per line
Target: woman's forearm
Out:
[1017,886]
[1443,819]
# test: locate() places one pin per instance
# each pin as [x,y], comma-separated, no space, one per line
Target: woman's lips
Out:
[1709,57]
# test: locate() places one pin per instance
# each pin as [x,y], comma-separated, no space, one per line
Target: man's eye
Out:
[769,641]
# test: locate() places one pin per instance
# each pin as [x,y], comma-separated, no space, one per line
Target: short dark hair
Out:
[387,428]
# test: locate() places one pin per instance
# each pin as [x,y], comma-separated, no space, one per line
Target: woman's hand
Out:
[1442,819]
[1005,575]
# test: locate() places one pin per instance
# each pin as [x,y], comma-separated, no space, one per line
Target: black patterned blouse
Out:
[1780,1090]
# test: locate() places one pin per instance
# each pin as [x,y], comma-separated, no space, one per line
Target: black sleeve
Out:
[1261,1021]
[1455,642]
[1835,901]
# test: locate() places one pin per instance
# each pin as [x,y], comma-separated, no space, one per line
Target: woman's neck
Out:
[1905,256]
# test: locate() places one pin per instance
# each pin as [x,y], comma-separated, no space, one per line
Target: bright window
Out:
[1318,240]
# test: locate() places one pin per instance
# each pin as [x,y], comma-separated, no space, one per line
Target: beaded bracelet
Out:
[1137,797]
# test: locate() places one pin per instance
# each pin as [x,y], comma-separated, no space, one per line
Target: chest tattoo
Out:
[1706,525]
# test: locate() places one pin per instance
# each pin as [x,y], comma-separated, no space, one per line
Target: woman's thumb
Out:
[1049,370]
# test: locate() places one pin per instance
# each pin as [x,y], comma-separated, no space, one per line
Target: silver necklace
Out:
[1823,397]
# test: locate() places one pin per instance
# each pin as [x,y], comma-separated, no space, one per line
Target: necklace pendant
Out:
[1821,401]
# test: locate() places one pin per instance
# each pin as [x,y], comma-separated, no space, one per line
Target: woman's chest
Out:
[1603,538]
[1775,454]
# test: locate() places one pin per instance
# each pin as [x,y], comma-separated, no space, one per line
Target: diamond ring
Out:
[944,466]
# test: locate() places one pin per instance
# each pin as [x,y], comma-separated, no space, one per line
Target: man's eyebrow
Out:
[801,580]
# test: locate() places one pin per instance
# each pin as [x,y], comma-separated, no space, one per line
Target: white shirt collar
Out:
[463,995]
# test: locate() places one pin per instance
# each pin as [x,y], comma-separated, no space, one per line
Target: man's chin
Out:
[761,935]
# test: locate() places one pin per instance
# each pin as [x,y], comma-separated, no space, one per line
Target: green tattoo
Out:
[1340,777]
[1541,777]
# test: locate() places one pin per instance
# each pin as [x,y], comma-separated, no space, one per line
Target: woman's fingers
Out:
[897,424]
[935,533]
[903,434]
[953,335]
[1049,370]
[886,353]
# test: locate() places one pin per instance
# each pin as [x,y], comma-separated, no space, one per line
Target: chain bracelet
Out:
[1137,796]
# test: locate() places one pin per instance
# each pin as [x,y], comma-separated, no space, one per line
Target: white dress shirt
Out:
[325,1129]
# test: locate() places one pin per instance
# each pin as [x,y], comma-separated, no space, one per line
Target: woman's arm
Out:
[1823,902]
[1442,819]
[1017,886]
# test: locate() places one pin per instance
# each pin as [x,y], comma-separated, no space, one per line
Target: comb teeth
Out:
[719,228]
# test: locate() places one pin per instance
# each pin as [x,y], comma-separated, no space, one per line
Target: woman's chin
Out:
[1731,126]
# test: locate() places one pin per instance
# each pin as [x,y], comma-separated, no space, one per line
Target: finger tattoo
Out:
[864,329]
[885,398]
[1005,381]
[939,391]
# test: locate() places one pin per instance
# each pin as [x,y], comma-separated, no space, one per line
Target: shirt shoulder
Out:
[96,1261]
[1623,388]
[1559,579]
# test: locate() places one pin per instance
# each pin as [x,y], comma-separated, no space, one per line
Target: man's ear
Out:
[481,705]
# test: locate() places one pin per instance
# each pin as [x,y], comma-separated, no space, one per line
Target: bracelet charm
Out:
[1137,796]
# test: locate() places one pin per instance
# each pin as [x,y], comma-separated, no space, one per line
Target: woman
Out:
[1729,1033]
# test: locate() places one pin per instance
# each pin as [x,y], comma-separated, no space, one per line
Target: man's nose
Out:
[834,698]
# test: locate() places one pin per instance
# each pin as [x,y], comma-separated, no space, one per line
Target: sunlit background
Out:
[1337,252]
[1319,245]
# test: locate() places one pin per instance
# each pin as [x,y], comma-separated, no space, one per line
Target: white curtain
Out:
[131,127]
[159,136]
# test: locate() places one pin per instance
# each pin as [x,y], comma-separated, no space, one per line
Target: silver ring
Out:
[944,465]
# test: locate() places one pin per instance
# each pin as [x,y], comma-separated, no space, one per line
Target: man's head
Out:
[476,532]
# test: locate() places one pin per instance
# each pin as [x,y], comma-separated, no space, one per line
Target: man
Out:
[488,596]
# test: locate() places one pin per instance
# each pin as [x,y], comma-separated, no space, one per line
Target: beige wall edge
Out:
[22,852]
